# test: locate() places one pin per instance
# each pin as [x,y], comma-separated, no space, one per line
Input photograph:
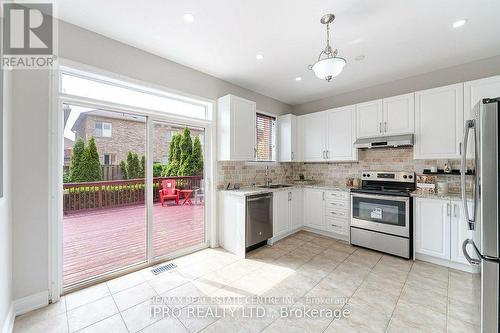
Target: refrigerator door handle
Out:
[469,124]
[473,261]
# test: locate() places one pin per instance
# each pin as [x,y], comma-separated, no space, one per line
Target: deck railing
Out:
[115,193]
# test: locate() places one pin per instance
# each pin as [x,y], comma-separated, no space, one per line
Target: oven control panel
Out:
[388,176]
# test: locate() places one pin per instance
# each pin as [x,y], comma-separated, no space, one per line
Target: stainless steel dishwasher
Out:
[259,220]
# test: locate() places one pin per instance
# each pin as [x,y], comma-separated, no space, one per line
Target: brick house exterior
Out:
[123,134]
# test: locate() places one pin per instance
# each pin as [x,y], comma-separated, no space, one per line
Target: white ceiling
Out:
[399,38]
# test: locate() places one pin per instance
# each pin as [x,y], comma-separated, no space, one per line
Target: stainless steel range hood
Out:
[385,141]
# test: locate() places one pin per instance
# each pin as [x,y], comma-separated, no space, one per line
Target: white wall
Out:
[96,50]
[30,200]
[461,73]
[5,209]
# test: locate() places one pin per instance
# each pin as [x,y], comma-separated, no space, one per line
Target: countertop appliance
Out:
[382,212]
[385,141]
[259,220]
[483,248]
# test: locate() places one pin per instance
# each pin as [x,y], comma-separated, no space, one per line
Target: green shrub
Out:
[123,168]
[89,169]
[76,158]
[133,166]
[197,157]
[157,169]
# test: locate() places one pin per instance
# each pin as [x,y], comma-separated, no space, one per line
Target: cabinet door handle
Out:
[455,208]
[292,155]
[380,127]
[448,209]
[323,196]
[327,154]
[385,126]
[333,213]
[460,148]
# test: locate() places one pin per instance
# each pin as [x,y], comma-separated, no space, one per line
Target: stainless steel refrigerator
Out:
[483,249]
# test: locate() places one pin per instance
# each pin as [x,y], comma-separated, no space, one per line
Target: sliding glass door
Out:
[105,203]
[104,207]
[133,168]
[179,189]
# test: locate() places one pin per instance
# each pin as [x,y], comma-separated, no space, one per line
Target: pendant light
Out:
[328,65]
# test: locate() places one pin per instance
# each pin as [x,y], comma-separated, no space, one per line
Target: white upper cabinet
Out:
[312,137]
[399,114]
[388,116]
[341,134]
[369,118]
[287,133]
[439,122]
[474,92]
[235,129]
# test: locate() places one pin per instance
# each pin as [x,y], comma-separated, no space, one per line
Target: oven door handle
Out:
[379,196]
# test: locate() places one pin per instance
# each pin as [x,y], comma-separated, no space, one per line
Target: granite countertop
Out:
[244,191]
[432,195]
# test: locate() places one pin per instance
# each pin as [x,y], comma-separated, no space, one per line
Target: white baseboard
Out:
[31,302]
[447,263]
[8,324]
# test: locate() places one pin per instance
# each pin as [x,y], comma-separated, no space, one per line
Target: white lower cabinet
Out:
[313,208]
[297,208]
[432,227]
[281,213]
[287,212]
[440,230]
[327,211]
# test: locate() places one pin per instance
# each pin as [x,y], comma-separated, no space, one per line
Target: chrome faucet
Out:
[268,180]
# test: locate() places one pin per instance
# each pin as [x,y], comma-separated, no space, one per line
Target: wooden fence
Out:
[109,172]
[79,197]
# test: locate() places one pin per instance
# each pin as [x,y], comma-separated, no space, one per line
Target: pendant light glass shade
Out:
[328,68]
[328,65]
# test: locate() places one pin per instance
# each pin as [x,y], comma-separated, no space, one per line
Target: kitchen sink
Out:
[275,186]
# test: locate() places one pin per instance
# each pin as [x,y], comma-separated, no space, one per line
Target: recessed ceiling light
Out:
[188,18]
[459,23]
[298,78]
[259,57]
[360,57]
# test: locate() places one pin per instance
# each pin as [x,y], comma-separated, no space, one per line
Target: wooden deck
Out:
[97,242]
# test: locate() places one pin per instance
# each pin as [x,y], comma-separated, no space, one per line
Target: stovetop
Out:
[387,183]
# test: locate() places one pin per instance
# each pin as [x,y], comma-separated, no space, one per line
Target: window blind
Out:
[266,137]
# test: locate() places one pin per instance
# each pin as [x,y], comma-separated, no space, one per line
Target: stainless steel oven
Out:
[382,213]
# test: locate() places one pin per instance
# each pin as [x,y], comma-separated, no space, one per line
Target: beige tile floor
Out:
[382,293]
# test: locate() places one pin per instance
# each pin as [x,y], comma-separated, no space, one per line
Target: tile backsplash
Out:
[334,173]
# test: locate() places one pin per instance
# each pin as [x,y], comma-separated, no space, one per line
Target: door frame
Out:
[56,133]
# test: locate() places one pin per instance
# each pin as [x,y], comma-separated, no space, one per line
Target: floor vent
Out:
[163,268]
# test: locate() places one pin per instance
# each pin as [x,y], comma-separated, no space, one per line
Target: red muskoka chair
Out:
[168,191]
